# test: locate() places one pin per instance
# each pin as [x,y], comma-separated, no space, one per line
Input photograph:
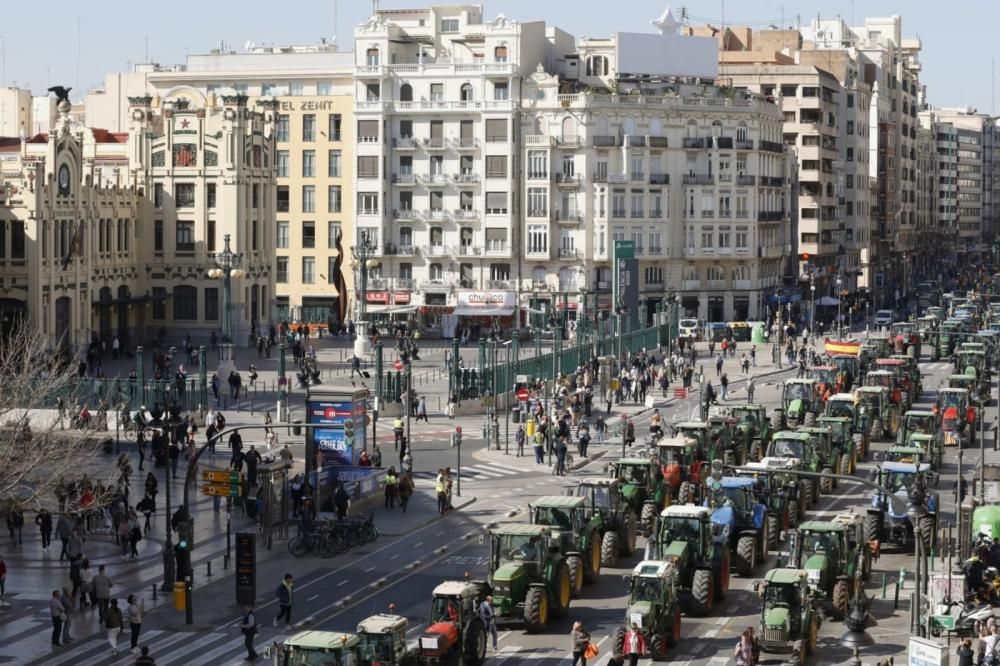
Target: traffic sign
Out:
[521,379]
[398,364]
[946,622]
[217,490]
[219,476]
[523,394]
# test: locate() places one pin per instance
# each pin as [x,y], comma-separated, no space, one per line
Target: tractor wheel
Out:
[756,450]
[619,640]
[840,597]
[684,493]
[574,564]
[592,570]
[876,430]
[563,590]
[845,466]
[536,610]
[773,532]
[859,445]
[925,532]
[674,635]
[626,541]
[702,592]
[609,549]
[474,647]
[648,519]
[826,483]
[805,495]
[911,351]
[746,556]
[872,528]
[722,577]
[794,513]
[657,647]
[810,419]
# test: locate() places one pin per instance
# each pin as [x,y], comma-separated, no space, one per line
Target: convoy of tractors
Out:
[716,497]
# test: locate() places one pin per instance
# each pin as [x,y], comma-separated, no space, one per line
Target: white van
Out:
[690,329]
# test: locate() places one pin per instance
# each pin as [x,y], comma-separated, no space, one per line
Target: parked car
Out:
[883,318]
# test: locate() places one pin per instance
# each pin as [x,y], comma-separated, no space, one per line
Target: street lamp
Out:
[363,253]
[812,309]
[228,265]
[840,297]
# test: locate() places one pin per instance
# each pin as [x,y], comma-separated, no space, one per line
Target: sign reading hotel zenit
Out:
[308,105]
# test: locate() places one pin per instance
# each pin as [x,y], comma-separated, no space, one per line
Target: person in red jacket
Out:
[635,645]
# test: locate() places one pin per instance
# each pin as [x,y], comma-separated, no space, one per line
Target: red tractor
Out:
[455,636]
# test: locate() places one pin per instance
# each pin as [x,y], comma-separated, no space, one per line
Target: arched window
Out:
[185,303]
[500,53]
[371,57]
[436,272]
[741,132]
[569,129]
[406,93]
[716,128]
[466,92]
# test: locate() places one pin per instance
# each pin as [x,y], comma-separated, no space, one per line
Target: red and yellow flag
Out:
[850,347]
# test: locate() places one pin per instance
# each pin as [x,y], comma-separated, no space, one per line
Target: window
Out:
[496,166]
[436,272]
[496,203]
[211,303]
[850,154]
[406,271]
[538,164]
[323,88]
[185,236]
[158,236]
[308,163]
[501,92]
[281,239]
[707,237]
[308,198]
[371,57]
[185,303]
[725,237]
[437,92]
[255,196]
[654,275]
[496,130]
[184,195]
[309,234]
[437,237]
[333,164]
[333,129]
[437,201]
[281,269]
[449,25]
[465,93]
[499,271]
[210,195]
[538,202]
[437,165]
[281,199]
[637,201]
[368,131]
[538,238]
[368,203]
[406,129]
[281,130]
[332,233]
[618,204]
[569,166]
[465,201]
[296,89]
[372,92]
[334,199]
[405,237]
[465,165]
[500,54]
[597,66]
[309,127]
[158,195]
[655,242]
[368,166]
[741,238]
[210,236]
[308,270]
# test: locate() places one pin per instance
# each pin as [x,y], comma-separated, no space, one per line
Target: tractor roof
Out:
[919,412]
[598,481]
[880,373]
[458,588]
[382,624]
[810,382]
[685,511]
[786,576]
[846,397]
[953,390]
[653,569]
[833,419]
[905,449]
[813,430]
[778,462]
[676,443]
[889,361]
[322,640]
[821,526]
[872,389]
[521,529]
[692,424]
[904,468]
[789,434]
[962,377]
[632,462]
[559,502]
[736,482]
[921,437]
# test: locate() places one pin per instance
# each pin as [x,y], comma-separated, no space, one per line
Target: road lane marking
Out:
[343,582]
[369,570]
[312,597]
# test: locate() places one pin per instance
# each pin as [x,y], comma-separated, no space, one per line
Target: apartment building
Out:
[16,106]
[309,89]
[930,239]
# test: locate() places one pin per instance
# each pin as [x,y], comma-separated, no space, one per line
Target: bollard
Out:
[884,582]
[251,406]
[225,565]
[209,567]
[154,591]
[895,600]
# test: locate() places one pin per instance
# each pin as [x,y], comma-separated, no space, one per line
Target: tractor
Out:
[916,421]
[529,576]
[714,440]
[906,339]
[949,336]
[907,373]
[825,378]
[927,326]
[789,619]
[641,486]
[905,453]
[834,555]
[576,530]
[698,549]
[887,379]
[383,641]
[735,506]
[315,647]
[653,606]
[970,384]
[799,404]
[931,447]
[779,491]
[753,428]
[826,456]
[957,417]
[878,411]
[799,446]
[618,525]
[849,367]
[842,405]
[684,467]
[455,634]
[886,522]
[842,439]
[973,362]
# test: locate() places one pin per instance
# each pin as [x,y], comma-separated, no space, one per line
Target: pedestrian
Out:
[724,383]
[753,356]
[147,507]
[441,491]
[86,584]
[56,611]
[405,489]
[452,404]
[991,647]
[718,366]
[341,500]
[635,645]
[252,459]
[74,575]
[579,640]
[422,409]
[44,522]
[519,437]
[144,658]
[3,578]
[248,625]
[355,366]
[488,617]
[965,653]
[135,610]
[63,531]
[134,536]
[539,446]
[743,652]
[74,548]
[376,455]
[113,625]
[15,524]
[102,592]
[391,488]
[750,389]
[560,452]
[584,441]
[284,596]
[68,607]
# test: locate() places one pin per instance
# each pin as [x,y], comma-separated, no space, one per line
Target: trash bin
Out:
[515,415]
[530,430]
[757,335]
[297,427]
[180,596]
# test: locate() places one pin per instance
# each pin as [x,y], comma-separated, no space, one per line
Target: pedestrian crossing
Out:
[936,367]
[479,472]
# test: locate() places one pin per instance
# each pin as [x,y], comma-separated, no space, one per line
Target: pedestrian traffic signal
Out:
[804,256]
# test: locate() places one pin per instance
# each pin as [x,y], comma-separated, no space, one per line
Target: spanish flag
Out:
[849,347]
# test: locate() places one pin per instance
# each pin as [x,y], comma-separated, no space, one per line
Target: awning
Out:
[390,309]
[469,311]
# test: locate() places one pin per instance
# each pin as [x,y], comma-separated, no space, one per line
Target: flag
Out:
[75,246]
[849,347]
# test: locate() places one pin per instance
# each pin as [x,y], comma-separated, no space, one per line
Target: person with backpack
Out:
[113,625]
[284,596]
[405,489]
[248,625]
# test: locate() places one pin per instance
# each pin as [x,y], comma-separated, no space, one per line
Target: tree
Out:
[44,460]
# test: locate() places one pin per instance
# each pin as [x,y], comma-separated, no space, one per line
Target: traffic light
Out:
[182,553]
[804,256]
[458,436]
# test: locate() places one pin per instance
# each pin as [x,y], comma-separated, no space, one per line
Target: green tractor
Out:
[931,449]
[970,383]
[842,405]
[916,421]
[842,439]
[698,549]
[789,619]
[800,446]
[714,439]
[799,404]
[827,458]
[642,488]
[927,327]
[906,339]
[529,576]
[874,403]
[576,530]
[618,525]
[834,555]
[778,489]
[653,606]
[752,428]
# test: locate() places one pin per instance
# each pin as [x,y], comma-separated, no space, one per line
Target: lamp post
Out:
[840,297]
[812,307]
[227,266]
[364,253]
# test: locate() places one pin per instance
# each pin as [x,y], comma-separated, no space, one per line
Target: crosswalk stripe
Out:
[155,646]
[505,471]
[201,643]
[97,642]
[215,656]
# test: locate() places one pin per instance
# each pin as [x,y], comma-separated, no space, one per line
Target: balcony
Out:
[404,214]
[659,179]
[770,216]
[469,251]
[537,175]
[437,250]
[433,144]
[742,252]
[539,213]
[380,283]
[407,284]
[464,214]
[656,250]
[725,214]
[725,251]
[568,216]
[617,178]
[568,180]
[743,285]
[772,147]
[405,250]
[604,141]
[707,214]
[404,179]
[716,284]
[742,215]
[743,145]
[693,143]
[690,285]
[656,214]
[437,284]
[466,179]
[367,211]
[698,179]
[657,141]
[746,180]
[772,181]
[435,215]
[537,140]
[467,143]
[637,214]
[433,178]
[707,251]
[637,177]
[635,140]
[725,177]
[567,253]
[498,250]
[501,284]
[404,143]
[690,251]
[600,178]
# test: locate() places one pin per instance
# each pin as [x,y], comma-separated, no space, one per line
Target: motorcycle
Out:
[969,616]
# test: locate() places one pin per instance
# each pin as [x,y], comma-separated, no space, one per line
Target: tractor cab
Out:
[316,648]
[789,622]
[789,444]
[889,381]
[849,368]
[383,640]
[799,402]
[455,628]
[826,378]
[955,411]
[565,515]
[905,454]
[681,461]
[602,495]
[916,421]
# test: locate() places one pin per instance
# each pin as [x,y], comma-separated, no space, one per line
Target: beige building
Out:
[15,112]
